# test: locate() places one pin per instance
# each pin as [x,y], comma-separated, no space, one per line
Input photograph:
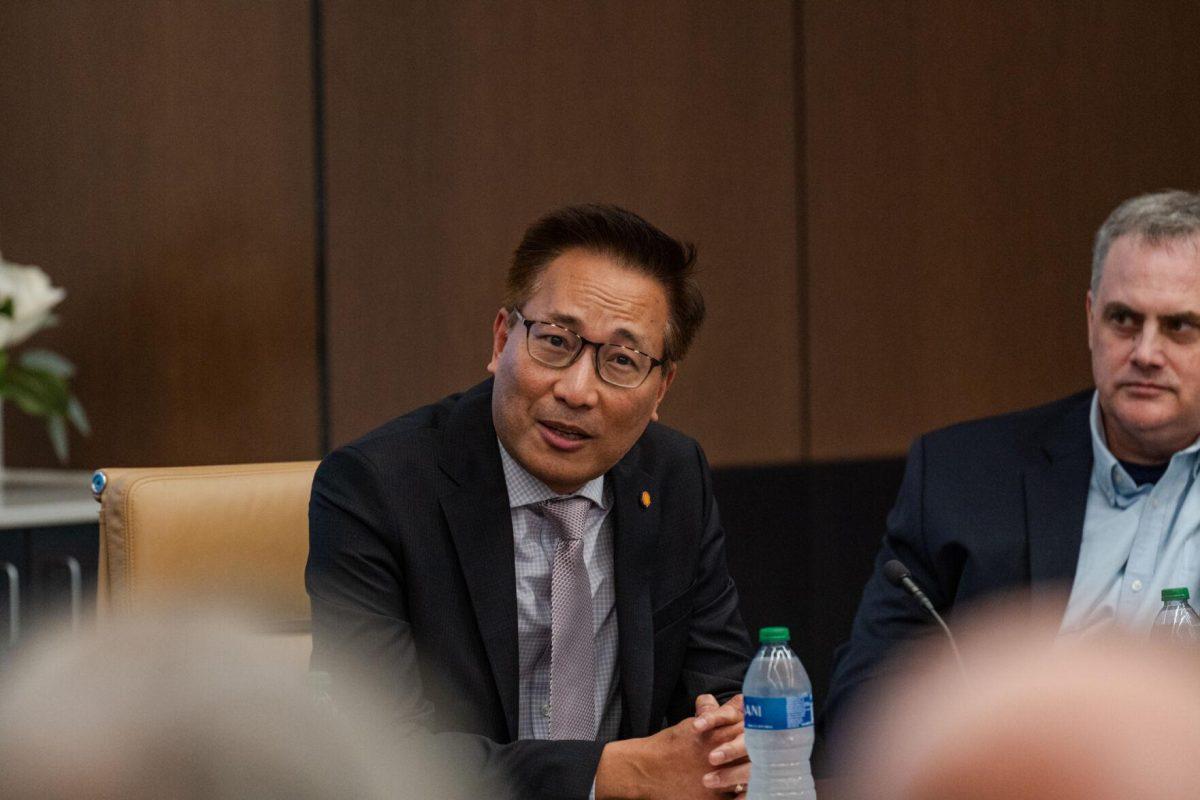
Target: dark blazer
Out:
[990,506]
[411,571]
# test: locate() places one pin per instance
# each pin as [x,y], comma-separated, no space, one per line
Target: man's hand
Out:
[672,764]
[723,724]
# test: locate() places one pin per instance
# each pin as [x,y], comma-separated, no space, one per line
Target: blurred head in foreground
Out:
[1109,717]
[167,708]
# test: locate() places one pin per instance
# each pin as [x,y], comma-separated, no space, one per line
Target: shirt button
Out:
[1136,586]
[546,710]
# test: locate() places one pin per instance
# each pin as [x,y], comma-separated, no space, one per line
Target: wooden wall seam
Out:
[803,331]
[320,228]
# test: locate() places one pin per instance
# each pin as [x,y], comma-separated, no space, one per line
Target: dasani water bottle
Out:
[1178,623]
[779,721]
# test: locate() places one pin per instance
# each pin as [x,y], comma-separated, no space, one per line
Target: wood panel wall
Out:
[893,201]
[451,126]
[959,157]
[156,161]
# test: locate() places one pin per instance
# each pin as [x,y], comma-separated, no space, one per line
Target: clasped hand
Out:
[702,757]
[723,726]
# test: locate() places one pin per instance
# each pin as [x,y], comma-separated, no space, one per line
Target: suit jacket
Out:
[412,579]
[990,506]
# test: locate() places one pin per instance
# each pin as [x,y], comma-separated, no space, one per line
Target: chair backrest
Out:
[234,535]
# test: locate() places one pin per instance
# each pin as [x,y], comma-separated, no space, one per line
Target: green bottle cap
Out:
[776,635]
[1175,594]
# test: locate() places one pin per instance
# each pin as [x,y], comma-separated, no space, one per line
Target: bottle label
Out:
[779,713]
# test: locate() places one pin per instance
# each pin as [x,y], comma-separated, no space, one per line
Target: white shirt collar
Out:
[526,490]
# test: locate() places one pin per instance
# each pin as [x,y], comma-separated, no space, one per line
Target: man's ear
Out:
[500,330]
[662,389]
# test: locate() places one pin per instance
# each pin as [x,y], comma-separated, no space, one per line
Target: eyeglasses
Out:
[559,347]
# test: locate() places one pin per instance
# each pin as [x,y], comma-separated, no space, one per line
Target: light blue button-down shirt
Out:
[1137,541]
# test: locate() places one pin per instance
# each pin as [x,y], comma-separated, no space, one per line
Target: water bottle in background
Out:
[779,721]
[1177,623]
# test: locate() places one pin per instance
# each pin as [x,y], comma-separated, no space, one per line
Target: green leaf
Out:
[28,400]
[56,426]
[38,383]
[78,416]
[35,392]
[6,308]
[45,361]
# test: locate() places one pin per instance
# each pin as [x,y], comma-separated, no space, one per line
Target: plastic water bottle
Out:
[1177,623]
[779,721]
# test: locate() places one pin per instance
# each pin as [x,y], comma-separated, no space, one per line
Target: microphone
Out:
[898,575]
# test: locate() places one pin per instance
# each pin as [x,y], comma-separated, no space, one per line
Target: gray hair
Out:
[1159,217]
[192,708]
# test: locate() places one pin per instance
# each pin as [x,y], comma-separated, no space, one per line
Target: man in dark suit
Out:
[1085,508]
[534,570]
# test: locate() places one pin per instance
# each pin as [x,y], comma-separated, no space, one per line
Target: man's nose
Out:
[578,383]
[1148,348]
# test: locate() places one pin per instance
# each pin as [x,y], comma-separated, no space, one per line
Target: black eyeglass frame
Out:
[529,323]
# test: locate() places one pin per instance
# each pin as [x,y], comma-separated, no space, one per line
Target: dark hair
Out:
[630,240]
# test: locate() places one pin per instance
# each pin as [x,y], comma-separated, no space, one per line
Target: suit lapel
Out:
[480,522]
[1056,489]
[635,537]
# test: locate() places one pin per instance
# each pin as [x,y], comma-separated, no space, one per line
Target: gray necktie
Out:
[572,639]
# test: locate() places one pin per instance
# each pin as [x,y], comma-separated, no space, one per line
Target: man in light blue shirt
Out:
[1139,531]
[1140,535]
[1095,493]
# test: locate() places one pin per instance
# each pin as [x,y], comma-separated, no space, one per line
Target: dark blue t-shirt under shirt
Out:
[1144,473]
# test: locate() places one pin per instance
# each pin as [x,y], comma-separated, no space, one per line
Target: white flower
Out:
[32,297]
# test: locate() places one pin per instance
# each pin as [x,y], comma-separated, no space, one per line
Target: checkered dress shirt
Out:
[534,542]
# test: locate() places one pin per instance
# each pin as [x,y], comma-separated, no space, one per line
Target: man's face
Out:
[567,426]
[1144,334]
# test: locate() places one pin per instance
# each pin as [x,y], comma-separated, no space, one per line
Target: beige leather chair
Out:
[182,538]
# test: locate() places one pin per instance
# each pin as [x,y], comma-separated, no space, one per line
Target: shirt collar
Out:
[526,490]
[1108,474]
